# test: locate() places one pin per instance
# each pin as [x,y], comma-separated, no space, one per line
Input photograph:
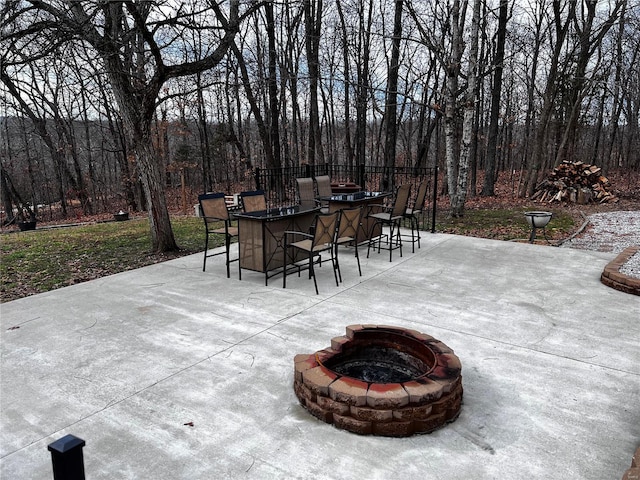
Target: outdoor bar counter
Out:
[371,203]
[261,238]
[345,188]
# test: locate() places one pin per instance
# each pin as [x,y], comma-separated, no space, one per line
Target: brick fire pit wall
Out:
[420,405]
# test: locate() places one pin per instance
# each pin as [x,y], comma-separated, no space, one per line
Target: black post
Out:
[66,457]
[361,180]
[435,199]
[256,175]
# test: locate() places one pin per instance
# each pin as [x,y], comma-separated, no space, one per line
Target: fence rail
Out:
[280,185]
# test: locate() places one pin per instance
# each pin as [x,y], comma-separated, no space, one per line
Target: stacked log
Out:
[575,182]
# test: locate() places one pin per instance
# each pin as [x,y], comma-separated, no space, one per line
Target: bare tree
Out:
[57,134]
[391,106]
[293,48]
[136,41]
[309,77]
[313,29]
[272,84]
[430,113]
[348,146]
[630,148]
[561,22]
[589,38]
[496,96]
[458,195]
[365,18]
[614,92]
[457,128]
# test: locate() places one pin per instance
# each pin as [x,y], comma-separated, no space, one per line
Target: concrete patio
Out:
[168,372]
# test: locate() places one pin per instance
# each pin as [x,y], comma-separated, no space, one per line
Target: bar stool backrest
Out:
[254,201]
[421,196]
[306,193]
[214,207]
[401,200]
[324,185]
[349,223]
[326,228]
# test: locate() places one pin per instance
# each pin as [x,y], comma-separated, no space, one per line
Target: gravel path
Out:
[611,232]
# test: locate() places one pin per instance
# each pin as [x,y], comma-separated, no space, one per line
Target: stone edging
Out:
[634,472]
[612,277]
[387,409]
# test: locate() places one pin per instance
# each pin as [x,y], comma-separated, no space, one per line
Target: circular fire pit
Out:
[381,380]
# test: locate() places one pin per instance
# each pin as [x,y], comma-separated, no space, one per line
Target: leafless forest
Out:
[106,103]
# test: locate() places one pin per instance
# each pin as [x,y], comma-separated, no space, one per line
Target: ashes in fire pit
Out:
[374,364]
[381,380]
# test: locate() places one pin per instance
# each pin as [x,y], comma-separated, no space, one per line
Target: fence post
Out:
[256,177]
[435,198]
[361,180]
[66,457]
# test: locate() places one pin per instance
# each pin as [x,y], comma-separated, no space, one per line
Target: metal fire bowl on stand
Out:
[538,220]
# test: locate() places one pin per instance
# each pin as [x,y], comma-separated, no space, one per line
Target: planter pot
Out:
[24,226]
[121,217]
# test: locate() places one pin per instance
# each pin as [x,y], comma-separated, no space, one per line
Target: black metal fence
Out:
[280,185]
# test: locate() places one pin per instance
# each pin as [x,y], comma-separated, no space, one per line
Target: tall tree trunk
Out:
[272,82]
[391,106]
[362,94]
[427,124]
[587,45]
[348,147]
[293,20]
[530,111]
[7,202]
[68,145]
[137,118]
[458,198]
[203,131]
[488,187]
[452,143]
[617,101]
[4,181]
[313,26]
[263,131]
[631,151]
[162,238]
[89,147]
[129,178]
[549,95]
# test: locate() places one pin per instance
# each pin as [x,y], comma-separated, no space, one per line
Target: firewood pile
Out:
[575,182]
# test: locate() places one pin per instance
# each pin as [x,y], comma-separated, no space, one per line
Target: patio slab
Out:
[171,372]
